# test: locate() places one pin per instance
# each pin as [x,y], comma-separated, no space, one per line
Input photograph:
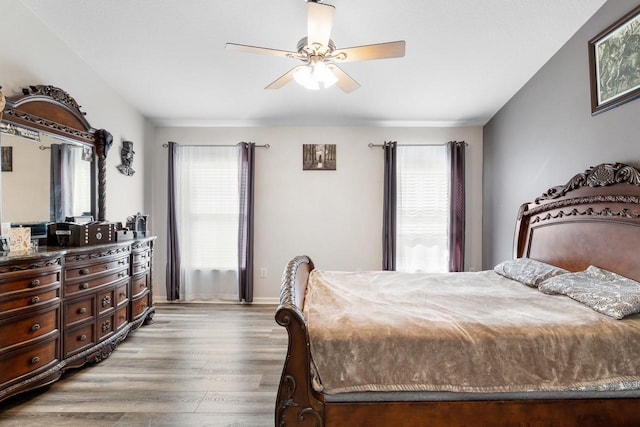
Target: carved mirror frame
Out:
[52,110]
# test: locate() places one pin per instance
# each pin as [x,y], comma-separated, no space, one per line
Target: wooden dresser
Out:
[63,307]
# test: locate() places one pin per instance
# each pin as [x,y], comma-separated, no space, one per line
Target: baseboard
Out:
[267,300]
[161,299]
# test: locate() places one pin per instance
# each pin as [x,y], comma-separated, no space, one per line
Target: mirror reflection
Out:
[45,178]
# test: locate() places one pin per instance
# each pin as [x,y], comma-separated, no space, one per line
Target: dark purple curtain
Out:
[245,234]
[389,208]
[456,206]
[173,247]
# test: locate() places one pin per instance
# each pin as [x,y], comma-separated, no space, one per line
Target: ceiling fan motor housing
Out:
[304,48]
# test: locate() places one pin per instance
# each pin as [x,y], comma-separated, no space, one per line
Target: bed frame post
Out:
[520,236]
[297,403]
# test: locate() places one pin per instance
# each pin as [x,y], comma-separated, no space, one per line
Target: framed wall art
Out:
[614,62]
[319,157]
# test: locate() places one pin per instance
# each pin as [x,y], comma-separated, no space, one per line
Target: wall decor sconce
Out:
[126,156]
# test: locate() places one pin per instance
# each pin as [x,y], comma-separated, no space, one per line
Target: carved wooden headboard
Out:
[593,219]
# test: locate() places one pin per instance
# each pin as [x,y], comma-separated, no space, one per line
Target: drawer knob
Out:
[122,274]
[84,271]
[82,338]
[35,327]
[106,326]
[122,294]
[106,301]
[121,262]
[35,300]
[35,283]
[85,286]
[83,310]
[35,360]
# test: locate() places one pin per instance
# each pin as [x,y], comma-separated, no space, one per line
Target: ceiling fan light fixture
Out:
[303,76]
[314,76]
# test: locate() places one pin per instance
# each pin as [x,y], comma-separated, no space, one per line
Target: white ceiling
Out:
[464,58]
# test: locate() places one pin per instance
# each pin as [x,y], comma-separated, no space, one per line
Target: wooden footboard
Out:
[297,403]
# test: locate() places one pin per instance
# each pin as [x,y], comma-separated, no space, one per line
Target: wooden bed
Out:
[594,219]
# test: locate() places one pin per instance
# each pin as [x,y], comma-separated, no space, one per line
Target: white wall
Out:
[335,217]
[30,54]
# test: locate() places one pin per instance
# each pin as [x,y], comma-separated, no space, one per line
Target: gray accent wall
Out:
[546,134]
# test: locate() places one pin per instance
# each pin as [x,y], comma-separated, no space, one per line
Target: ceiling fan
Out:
[319,54]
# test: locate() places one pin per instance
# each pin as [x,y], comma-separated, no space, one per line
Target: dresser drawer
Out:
[25,328]
[141,257]
[106,326]
[139,306]
[28,299]
[122,317]
[97,268]
[18,363]
[140,268]
[106,300]
[28,280]
[139,285]
[121,294]
[78,310]
[78,339]
[78,287]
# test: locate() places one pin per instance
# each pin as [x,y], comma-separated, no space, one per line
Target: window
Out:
[209,208]
[422,227]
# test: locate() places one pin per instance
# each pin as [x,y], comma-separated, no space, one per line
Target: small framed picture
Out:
[319,157]
[614,62]
[6,157]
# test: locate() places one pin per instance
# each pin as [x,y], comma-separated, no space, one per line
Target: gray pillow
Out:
[604,291]
[528,271]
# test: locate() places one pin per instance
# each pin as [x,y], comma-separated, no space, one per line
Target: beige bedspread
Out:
[467,332]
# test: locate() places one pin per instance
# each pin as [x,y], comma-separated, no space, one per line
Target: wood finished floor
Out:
[197,365]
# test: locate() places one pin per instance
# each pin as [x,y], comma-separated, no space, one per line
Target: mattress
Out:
[461,332]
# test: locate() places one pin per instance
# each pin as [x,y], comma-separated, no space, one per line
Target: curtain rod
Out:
[216,145]
[372,145]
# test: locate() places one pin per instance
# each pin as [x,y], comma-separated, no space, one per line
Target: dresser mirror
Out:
[53,161]
[46,179]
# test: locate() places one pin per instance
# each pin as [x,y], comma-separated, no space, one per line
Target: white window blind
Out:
[422,242]
[209,207]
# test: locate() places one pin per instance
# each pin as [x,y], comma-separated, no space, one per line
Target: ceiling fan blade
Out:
[345,81]
[319,23]
[370,51]
[284,79]
[260,50]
